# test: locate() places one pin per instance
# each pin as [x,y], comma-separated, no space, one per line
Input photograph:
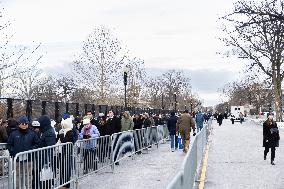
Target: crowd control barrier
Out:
[189,172]
[63,165]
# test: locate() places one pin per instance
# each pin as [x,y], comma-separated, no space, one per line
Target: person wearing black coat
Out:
[270,137]
[220,119]
[138,122]
[172,126]
[48,138]
[113,124]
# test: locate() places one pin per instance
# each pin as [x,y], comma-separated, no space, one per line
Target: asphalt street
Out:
[236,159]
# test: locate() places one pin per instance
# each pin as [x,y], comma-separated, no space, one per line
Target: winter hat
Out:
[35,124]
[65,116]
[23,120]
[12,123]
[67,123]
[44,121]
[86,121]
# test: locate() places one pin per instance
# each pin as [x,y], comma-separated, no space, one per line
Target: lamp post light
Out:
[125,76]
[175,98]
[163,102]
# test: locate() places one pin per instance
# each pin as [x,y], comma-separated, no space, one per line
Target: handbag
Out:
[46,173]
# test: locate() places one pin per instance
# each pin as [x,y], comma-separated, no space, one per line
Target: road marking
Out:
[204,168]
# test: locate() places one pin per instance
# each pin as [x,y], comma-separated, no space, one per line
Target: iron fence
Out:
[14,108]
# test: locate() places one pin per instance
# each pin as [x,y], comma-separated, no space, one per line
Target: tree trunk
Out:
[277,93]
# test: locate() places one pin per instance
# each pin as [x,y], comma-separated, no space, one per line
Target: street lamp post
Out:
[163,101]
[175,98]
[125,76]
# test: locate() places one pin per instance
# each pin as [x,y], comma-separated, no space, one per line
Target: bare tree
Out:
[171,88]
[24,84]
[66,85]
[99,63]
[259,38]
[14,60]
[136,78]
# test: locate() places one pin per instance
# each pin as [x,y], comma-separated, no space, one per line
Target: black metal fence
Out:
[14,108]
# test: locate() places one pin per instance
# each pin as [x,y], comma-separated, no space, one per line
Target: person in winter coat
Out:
[199,119]
[220,119]
[138,122]
[23,139]
[66,135]
[172,122]
[3,131]
[12,126]
[147,122]
[101,124]
[88,148]
[184,125]
[48,137]
[113,123]
[270,137]
[126,122]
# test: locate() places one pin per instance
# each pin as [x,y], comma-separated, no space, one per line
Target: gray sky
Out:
[165,33]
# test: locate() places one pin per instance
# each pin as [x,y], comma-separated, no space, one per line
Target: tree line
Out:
[96,75]
[254,32]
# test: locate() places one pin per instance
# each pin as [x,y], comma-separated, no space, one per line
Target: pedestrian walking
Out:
[220,118]
[126,122]
[184,125]
[270,137]
[172,123]
[199,119]
[241,116]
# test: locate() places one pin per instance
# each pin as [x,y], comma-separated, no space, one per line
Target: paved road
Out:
[236,159]
[147,171]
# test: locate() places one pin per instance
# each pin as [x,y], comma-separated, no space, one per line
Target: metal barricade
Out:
[44,168]
[5,172]
[190,168]
[92,155]
[122,145]
[3,146]
[139,139]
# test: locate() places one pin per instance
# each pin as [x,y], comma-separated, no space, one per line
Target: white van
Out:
[235,112]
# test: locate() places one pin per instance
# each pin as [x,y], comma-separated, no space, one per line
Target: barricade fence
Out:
[14,108]
[189,172]
[63,165]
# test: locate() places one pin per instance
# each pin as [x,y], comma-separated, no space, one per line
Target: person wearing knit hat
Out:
[48,137]
[89,132]
[66,135]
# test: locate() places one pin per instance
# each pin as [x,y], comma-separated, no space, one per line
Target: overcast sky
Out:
[165,33]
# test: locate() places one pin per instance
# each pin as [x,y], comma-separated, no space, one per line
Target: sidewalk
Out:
[153,170]
[236,159]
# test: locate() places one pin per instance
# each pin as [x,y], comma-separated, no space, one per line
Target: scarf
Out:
[87,129]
